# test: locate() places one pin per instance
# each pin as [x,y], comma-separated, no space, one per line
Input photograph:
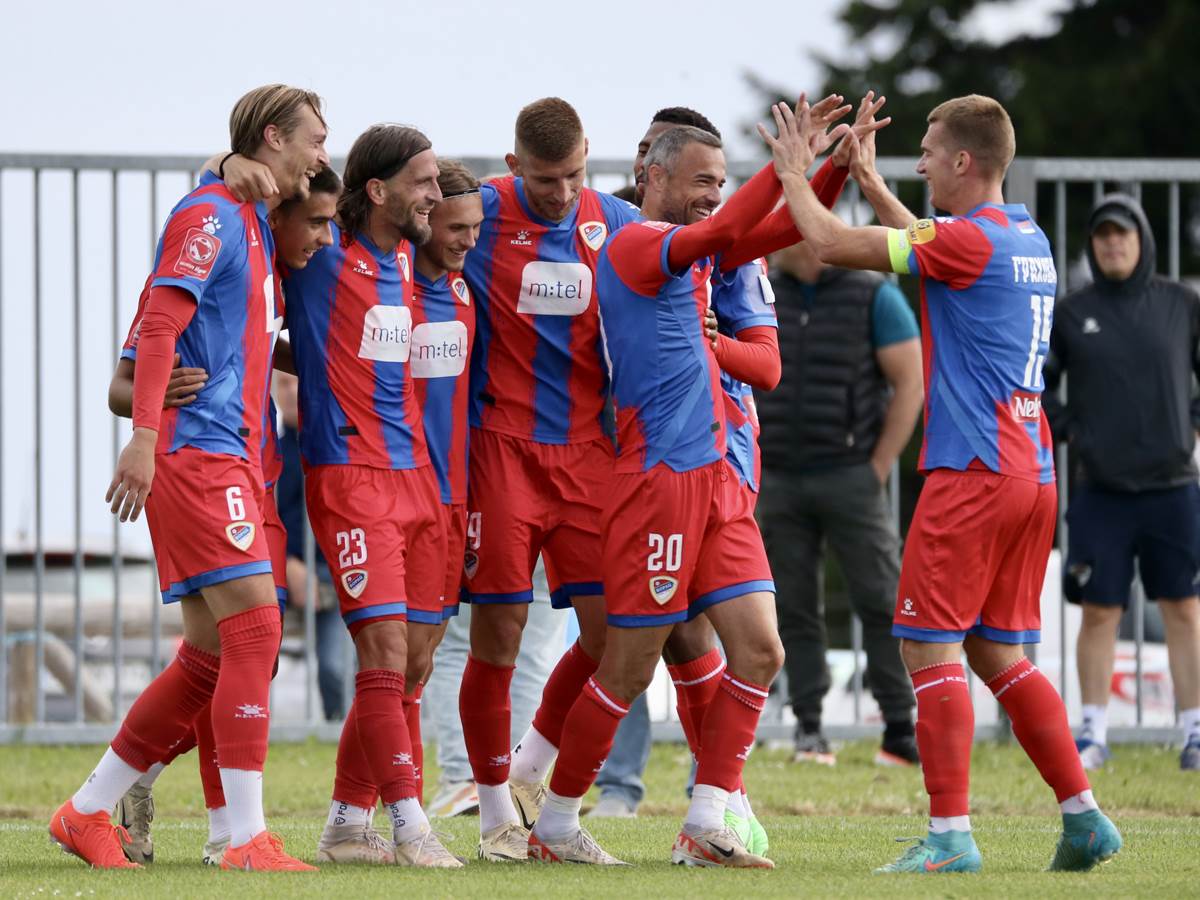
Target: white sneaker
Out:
[214,852]
[454,798]
[427,851]
[610,806]
[581,847]
[528,798]
[718,847]
[505,843]
[354,844]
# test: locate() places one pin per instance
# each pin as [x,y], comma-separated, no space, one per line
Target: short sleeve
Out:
[951,250]
[743,298]
[195,246]
[638,255]
[892,320]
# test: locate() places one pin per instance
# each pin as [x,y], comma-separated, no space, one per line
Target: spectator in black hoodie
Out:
[1129,344]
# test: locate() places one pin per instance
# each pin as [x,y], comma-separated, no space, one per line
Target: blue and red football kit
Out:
[208,512]
[370,487]
[977,549]
[743,299]
[540,459]
[443,334]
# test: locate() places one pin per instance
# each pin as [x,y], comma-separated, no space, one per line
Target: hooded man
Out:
[1129,344]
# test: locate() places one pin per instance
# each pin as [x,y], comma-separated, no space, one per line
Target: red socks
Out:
[352,780]
[240,705]
[486,713]
[206,753]
[945,729]
[696,683]
[727,732]
[412,718]
[1039,722]
[162,716]
[383,734]
[562,690]
[588,732]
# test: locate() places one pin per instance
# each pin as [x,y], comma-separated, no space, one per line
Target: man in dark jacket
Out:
[1129,344]
[844,409]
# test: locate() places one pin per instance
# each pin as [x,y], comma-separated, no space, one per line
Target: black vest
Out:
[828,409]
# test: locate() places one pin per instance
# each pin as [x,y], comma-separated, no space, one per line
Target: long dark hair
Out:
[379,152]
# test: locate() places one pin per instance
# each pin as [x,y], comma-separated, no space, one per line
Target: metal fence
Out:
[81,624]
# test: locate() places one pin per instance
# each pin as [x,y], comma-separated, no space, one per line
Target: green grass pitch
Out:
[828,829]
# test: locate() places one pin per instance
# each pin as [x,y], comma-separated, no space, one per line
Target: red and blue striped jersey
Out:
[987,302]
[665,380]
[537,370]
[443,333]
[743,299]
[272,458]
[350,320]
[221,252]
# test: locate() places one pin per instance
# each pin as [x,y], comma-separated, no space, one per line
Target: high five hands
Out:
[808,131]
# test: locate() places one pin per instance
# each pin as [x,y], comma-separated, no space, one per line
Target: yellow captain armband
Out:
[899,246]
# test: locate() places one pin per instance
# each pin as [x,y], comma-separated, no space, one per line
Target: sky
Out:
[160,78]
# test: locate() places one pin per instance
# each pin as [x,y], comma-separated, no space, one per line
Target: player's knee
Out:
[382,645]
[1181,613]
[496,633]
[759,660]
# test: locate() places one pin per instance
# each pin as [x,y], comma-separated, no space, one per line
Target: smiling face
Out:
[551,188]
[301,154]
[939,165]
[691,191]
[301,228]
[407,198]
[454,226]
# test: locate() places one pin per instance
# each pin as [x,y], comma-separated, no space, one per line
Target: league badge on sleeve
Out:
[662,588]
[461,291]
[593,234]
[921,231]
[240,534]
[355,582]
[198,253]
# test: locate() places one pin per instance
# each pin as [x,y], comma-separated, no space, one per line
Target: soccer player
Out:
[540,460]
[212,300]
[977,548]
[370,488]
[300,228]
[679,536]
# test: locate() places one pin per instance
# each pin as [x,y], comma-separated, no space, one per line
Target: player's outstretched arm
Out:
[888,208]
[833,241]
[247,179]
[185,383]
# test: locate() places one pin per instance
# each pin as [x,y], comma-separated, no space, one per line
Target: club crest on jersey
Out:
[471,563]
[355,582]
[662,588]
[402,262]
[593,234]
[240,534]
[921,231]
[459,287]
[199,251]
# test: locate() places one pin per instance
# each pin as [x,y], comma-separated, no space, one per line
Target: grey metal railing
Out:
[84,207]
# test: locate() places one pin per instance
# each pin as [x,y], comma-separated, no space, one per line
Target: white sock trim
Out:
[942,824]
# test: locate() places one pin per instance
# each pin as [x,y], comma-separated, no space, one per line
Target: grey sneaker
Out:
[135,813]
[1189,759]
[812,747]
[612,806]
[354,844]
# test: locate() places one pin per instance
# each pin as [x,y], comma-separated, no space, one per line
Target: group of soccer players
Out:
[597,360]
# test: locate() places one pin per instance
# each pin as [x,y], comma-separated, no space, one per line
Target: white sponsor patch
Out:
[439,349]
[387,334]
[355,582]
[555,289]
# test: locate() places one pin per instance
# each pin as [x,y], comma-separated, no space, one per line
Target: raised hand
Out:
[822,115]
[862,131]
[800,135]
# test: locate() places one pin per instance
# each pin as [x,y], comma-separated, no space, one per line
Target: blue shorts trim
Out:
[181,589]
[927,635]
[561,597]
[449,612]
[712,598]
[425,617]
[647,621]
[525,596]
[374,612]
[1000,636]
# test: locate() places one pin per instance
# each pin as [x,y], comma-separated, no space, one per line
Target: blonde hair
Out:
[981,126]
[272,104]
[455,178]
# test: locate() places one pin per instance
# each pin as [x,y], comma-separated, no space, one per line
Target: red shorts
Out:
[380,531]
[276,544]
[975,559]
[454,521]
[676,543]
[205,514]
[527,498]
